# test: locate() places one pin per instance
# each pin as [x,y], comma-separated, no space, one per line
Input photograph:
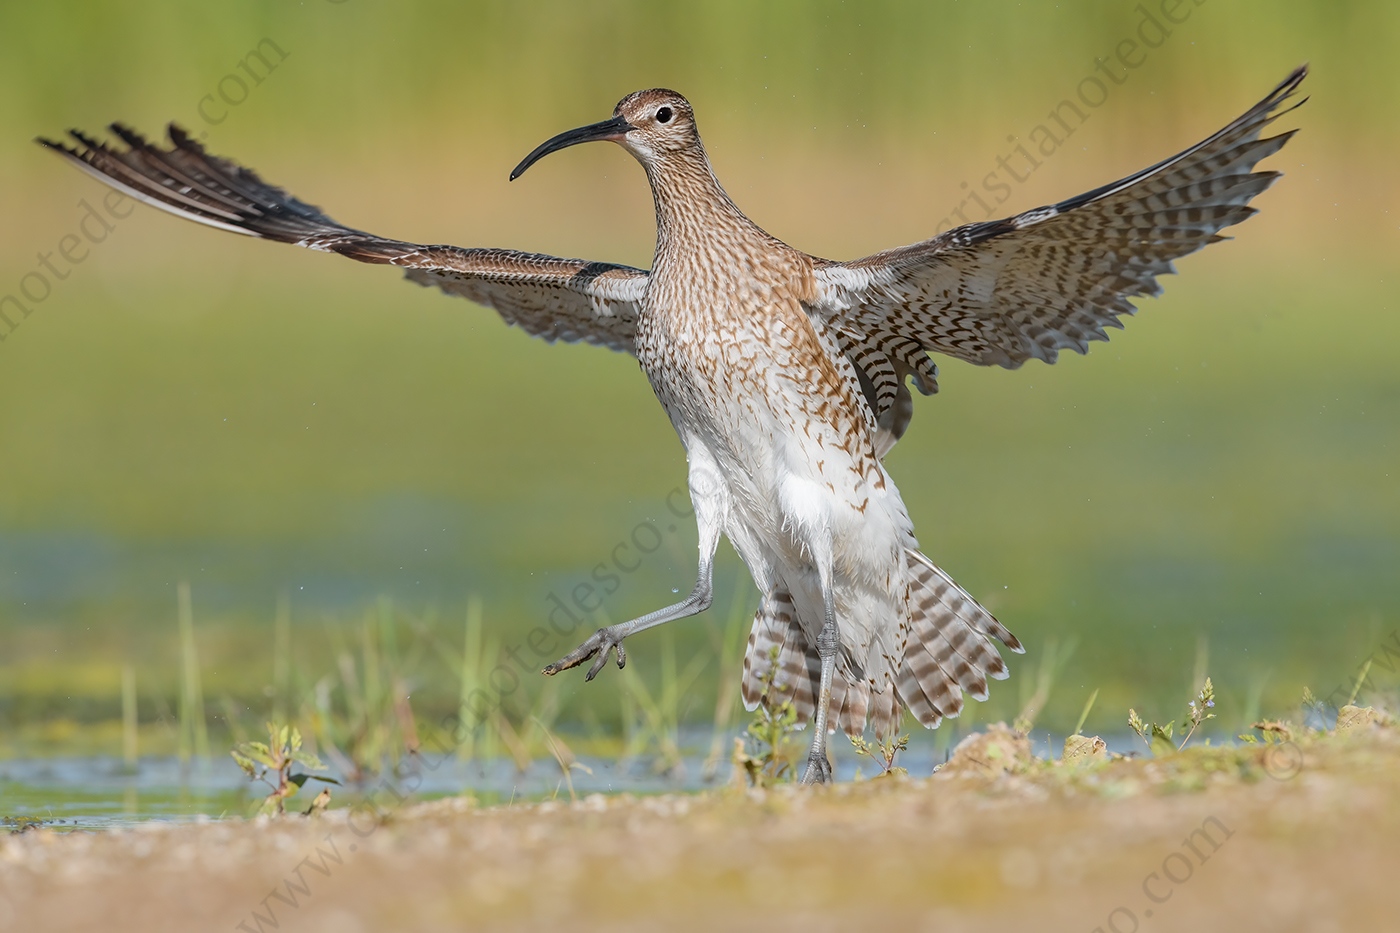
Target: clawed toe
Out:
[818,770]
[608,644]
[601,643]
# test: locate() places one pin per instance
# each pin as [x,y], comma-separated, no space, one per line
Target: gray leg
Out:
[818,766]
[606,640]
[710,499]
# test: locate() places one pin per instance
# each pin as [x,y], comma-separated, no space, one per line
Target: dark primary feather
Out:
[557,299]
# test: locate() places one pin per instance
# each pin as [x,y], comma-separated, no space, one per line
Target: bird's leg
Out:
[818,765]
[606,640]
[709,497]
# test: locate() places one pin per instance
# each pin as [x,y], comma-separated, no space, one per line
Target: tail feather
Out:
[947,651]
[925,689]
[799,668]
[885,713]
[949,648]
[932,580]
[798,677]
[850,703]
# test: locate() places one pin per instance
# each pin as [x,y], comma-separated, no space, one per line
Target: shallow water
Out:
[99,792]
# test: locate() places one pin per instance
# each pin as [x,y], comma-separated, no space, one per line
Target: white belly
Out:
[793,501]
[789,469]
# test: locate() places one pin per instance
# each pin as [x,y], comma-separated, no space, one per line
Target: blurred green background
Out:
[1217,488]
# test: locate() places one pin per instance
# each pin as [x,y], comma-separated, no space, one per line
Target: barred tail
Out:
[949,647]
[947,650]
[798,676]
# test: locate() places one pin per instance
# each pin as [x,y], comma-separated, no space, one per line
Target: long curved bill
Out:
[613,129]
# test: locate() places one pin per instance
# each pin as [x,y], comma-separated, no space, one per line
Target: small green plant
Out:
[1084,714]
[770,731]
[1159,737]
[271,762]
[1199,711]
[882,752]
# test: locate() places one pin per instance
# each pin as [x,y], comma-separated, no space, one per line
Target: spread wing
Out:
[557,299]
[1006,291]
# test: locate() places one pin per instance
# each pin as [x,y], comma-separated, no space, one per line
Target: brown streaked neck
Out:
[691,205]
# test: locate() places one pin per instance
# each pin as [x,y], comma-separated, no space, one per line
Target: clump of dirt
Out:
[1352,718]
[1084,748]
[999,750]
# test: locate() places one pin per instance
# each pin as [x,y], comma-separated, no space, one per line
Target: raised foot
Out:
[602,643]
[818,769]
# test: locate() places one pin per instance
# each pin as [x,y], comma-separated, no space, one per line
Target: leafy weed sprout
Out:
[271,762]
[770,731]
[1159,737]
[882,752]
[1199,711]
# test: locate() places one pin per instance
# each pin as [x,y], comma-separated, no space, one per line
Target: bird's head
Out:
[649,124]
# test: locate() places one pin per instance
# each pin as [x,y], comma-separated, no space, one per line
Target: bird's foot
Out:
[818,768]
[601,643]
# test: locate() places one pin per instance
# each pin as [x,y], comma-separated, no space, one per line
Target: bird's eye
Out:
[663,115]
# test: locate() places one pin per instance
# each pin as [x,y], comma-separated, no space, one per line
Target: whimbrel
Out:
[787,376]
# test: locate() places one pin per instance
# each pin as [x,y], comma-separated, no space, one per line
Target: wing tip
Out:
[62,148]
[1286,89]
[1295,77]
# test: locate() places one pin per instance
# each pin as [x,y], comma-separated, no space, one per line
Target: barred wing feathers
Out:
[557,299]
[1006,291]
